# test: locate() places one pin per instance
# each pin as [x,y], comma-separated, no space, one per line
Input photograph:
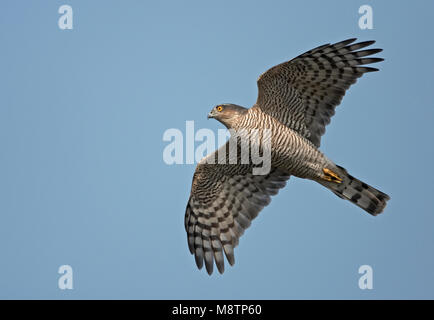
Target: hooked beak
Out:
[210,115]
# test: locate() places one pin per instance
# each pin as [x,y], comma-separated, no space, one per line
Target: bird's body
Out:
[291,152]
[295,102]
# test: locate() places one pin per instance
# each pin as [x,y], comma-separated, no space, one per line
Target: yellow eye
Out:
[219,108]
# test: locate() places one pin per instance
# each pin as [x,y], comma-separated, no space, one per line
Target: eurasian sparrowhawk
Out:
[295,102]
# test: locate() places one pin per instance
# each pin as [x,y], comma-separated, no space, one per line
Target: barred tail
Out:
[366,197]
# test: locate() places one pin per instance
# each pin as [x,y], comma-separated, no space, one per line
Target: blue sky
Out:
[82,178]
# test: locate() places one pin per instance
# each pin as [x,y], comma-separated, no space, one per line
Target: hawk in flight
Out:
[296,100]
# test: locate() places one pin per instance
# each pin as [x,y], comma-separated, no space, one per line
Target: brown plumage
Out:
[296,100]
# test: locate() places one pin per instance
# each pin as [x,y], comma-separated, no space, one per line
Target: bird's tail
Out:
[361,194]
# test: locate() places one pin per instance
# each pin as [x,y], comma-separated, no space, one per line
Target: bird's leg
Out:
[329,175]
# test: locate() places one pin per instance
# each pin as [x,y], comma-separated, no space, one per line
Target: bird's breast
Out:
[288,150]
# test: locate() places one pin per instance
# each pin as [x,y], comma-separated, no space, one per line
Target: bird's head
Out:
[227,113]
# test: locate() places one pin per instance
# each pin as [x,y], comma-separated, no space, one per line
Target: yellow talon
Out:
[331,176]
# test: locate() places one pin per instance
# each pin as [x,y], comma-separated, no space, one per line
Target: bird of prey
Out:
[296,100]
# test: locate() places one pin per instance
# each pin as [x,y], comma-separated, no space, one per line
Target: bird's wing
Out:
[224,199]
[303,92]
